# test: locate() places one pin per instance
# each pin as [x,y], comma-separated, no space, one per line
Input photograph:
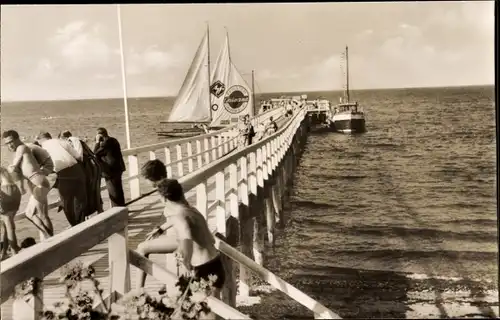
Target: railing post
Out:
[180,164]
[133,170]
[244,180]
[265,169]
[199,159]
[202,199]
[168,160]
[207,153]
[269,158]
[220,197]
[213,144]
[29,307]
[252,173]
[233,186]
[226,146]
[274,151]
[152,155]
[260,178]
[119,268]
[190,159]
[221,147]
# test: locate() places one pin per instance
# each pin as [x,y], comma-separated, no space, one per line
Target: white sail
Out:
[193,100]
[231,95]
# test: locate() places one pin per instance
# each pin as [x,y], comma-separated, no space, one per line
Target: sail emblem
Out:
[236,99]
[217,89]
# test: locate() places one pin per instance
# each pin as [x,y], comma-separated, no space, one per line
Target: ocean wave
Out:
[337,177]
[312,204]
[475,222]
[420,254]
[425,233]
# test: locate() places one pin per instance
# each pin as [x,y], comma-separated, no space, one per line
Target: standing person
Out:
[43,158]
[109,154]
[271,127]
[25,163]
[250,129]
[75,142]
[10,200]
[92,171]
[70,177]
[243,133]
[193,240]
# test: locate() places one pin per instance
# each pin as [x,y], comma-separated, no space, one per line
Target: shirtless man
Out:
[37,210]
[10,199]
[193,240]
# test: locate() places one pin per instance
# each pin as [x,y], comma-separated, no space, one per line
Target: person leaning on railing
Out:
[193,240]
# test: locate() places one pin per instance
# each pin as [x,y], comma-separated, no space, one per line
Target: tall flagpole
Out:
[208,73]
[124,77]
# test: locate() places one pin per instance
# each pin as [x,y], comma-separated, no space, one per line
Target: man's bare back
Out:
[189,224]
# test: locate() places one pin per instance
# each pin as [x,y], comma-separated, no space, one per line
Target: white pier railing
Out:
[248,169]
[181,156]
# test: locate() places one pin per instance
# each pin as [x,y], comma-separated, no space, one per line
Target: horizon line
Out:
[260,93]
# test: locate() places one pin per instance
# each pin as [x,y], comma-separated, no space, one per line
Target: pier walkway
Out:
[240,192]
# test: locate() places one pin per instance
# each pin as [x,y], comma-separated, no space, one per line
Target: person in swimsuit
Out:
[193,240]
[10,200]
[37,210]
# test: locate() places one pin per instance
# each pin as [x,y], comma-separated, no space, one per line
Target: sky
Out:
[51,52]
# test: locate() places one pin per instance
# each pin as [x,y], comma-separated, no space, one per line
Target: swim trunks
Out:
[213,267]
[10,198]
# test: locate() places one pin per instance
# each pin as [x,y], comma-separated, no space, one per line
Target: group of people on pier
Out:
[65,163]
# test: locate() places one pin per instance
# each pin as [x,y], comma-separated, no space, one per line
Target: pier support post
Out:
[276,194]
[230,289]
[258,228]
[246,237]
[269,211]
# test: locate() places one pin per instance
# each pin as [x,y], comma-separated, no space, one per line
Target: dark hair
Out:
[44,135]
[154,170]
[10,133]
[102,131]
[171,190]
[65,134]
[28,242]
[270,118]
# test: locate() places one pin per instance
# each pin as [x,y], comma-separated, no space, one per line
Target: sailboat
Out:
[347,116]
[208,102]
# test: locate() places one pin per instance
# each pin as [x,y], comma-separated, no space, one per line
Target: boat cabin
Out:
[350,107]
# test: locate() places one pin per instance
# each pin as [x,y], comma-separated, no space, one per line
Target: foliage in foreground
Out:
[189,303]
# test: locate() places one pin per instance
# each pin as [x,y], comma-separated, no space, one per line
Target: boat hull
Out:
[176,134]
[350,123]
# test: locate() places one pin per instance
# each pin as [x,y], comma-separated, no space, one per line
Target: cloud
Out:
[81,46]
[153,59]
[323,75]
[93,50]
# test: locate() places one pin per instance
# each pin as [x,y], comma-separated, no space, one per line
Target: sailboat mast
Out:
[208,72]
[347,72]
[228,46]
[253,92]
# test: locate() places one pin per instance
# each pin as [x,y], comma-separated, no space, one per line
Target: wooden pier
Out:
[240,191]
